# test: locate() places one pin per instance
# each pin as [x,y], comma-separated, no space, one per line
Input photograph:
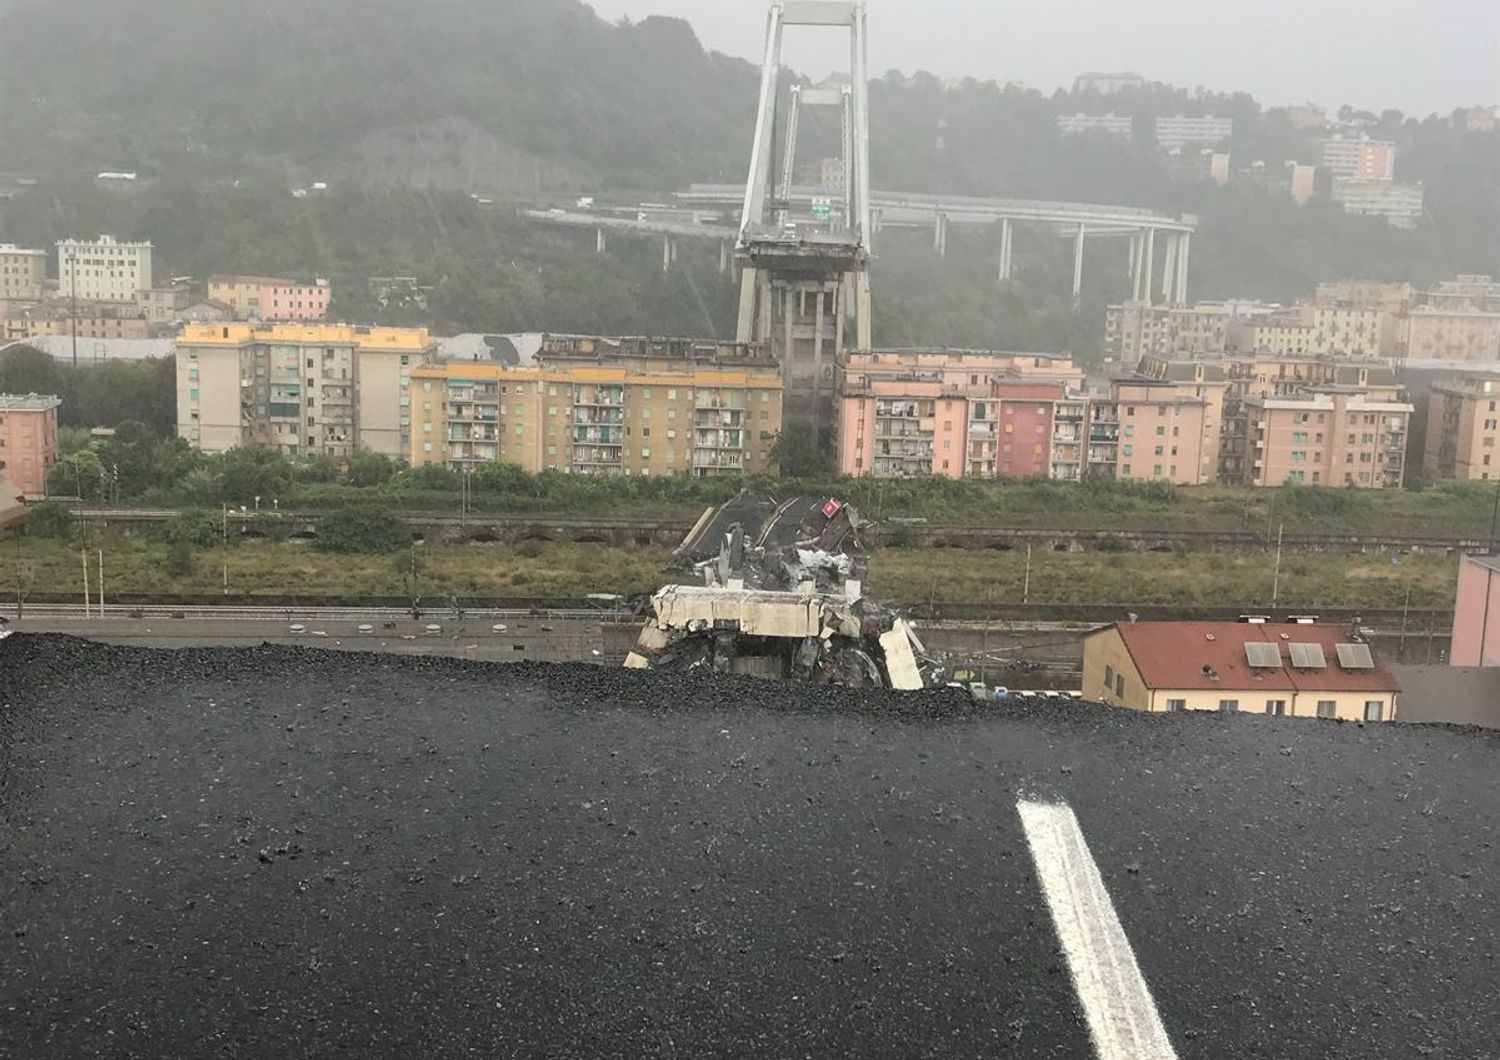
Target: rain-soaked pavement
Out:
[283,853]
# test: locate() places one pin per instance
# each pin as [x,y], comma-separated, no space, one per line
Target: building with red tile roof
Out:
[1298,669]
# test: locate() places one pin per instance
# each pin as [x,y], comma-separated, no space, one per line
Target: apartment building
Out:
[1466,291]
[1358,159]
[1168,431]
[622,416]
[1392,298]
[1438,334]
[1133,330]
[1401,205]
[1319,327]
[1476,613]
[164,305]
[28,440]
[1324,436]
[904,413]
[1294,670]
[23,273]
[103,269]
[1108,124]
[303,389]
[1070,431]
[1180,130]
[271,297]
[1107,84]
[98,321]
[1463,428]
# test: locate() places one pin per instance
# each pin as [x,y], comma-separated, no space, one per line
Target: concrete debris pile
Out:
[782,598]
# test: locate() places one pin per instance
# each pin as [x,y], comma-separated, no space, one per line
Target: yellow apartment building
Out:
[1296,670]
[303,389]
[1463,429]
[598,416]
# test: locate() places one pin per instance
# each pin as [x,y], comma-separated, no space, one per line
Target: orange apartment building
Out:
[958,414]
[28,440]
[584,411]
[1327,436]
[1155,431]
[1463,429]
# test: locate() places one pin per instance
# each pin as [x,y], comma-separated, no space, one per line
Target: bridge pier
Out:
[1007,249]
[1182,267]
[1078,266]
[601,241]
[1150,271]
[723,257]
[940,235]
[668,253]
[1169,272]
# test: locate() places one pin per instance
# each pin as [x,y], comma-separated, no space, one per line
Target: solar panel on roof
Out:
[1308,656]
[1259,653]
[1355,656]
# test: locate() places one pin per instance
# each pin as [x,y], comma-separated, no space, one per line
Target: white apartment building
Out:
[22,272]
[1181,130]
[1400,204]
[103,269]
[1109,124]
[1359,159]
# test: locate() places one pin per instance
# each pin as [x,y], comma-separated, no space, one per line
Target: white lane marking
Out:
[1122,1017]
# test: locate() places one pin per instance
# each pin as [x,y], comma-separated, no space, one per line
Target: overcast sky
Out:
[1423,56]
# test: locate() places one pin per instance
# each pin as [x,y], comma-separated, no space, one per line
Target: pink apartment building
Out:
[1326,437]
[1476,616]
[28,440]
[1168,431]
[976,415]
[271,297]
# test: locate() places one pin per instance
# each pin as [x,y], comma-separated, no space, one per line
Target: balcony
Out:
[713,459]
[599,435]
[599,401]
[708,418]
[593,415]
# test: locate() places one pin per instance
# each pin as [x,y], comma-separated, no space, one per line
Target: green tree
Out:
[198,528]
[251,472]
[367,468]
[320,469]
[79,474]
[364,529]
[497,477]
[50,520]
[428,477]
[28,370]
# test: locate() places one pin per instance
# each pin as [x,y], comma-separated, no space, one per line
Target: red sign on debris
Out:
[832,508]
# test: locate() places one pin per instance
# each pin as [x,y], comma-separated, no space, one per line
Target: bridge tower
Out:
[804,256]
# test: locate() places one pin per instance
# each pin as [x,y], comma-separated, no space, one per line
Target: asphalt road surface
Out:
[275,852]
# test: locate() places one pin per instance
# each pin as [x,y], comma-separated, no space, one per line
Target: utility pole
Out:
[101,583]
[83,554]
[1276,581]
[224,548]
[1026,585]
